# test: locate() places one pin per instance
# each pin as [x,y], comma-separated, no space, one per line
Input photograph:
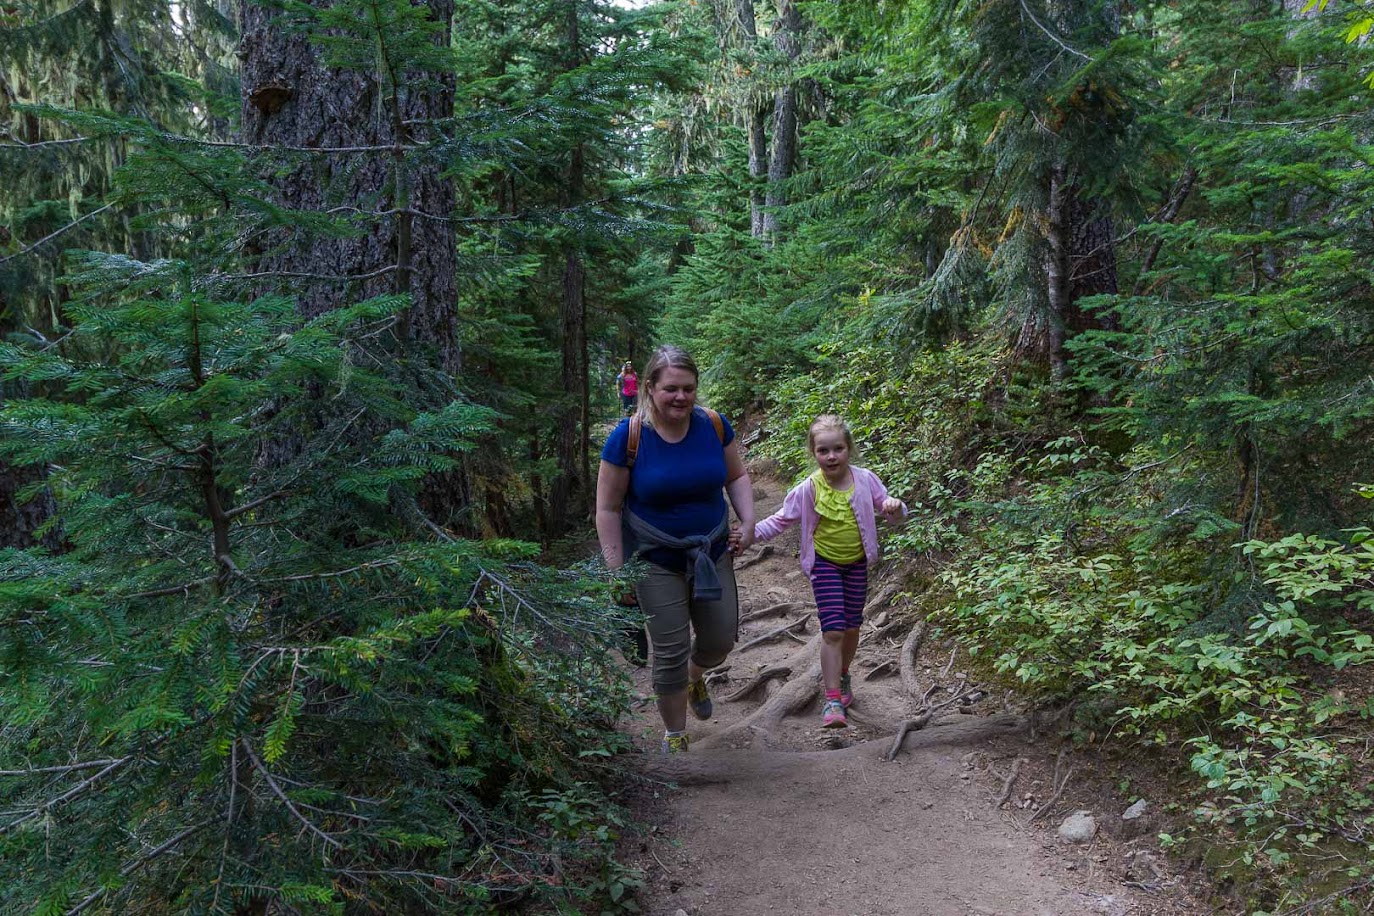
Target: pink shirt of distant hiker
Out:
[629,384]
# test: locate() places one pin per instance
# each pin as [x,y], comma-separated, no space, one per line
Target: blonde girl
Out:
[837,507]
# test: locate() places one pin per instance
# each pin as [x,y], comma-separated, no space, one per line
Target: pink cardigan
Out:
[866,498]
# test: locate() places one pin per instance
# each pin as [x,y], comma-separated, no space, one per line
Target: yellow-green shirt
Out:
[837,531]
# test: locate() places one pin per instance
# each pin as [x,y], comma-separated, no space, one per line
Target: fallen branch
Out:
[770,611]
[763,677]
[798,624]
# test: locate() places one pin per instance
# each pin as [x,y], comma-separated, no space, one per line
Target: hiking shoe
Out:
[698,699]
[832,716]
[675,744]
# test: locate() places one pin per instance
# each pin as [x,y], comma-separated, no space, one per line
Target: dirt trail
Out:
[774,815]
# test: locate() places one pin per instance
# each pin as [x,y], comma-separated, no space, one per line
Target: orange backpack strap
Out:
[632,441]
[717,422]
[637,427]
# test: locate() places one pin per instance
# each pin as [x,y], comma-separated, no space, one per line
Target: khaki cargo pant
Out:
[665,597]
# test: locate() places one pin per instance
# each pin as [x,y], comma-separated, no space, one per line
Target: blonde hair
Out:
[665,357]
[829,422]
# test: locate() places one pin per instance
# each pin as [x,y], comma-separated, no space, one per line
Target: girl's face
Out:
[674,394]
[831,451]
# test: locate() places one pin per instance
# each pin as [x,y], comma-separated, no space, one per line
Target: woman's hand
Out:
[741,538]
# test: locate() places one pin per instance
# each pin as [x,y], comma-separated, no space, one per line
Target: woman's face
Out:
[674,394]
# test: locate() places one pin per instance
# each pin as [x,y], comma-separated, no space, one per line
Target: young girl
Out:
[839,539]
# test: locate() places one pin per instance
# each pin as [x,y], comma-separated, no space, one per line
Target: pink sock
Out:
[832,694]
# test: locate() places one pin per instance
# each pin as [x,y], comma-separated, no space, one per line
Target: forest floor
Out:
[770,814]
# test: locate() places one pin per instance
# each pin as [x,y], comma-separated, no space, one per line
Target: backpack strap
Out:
[637,428]
[632,441]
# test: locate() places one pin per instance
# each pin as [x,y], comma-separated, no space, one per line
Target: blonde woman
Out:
[660,494]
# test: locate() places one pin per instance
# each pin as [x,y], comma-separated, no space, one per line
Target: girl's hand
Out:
[893,510]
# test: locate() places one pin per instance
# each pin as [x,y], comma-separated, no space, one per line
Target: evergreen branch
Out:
[171,589]
[76,790]
[138,863]
[277,791]
[54,234]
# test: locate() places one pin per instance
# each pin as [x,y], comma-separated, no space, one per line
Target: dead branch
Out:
[882,597]
[290,806]
[770,611]
[763,677]
[66,796]
[798,624]
[138,863]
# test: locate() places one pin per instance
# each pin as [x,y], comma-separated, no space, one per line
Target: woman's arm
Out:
[612,482]
[741,491]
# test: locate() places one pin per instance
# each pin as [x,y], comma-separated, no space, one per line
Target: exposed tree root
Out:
[794,696]
[764,553]
[705,765]
[907,660]
[880,669]
[798,624]
[919,722]
[770,611]
[1059,786]
[763,677]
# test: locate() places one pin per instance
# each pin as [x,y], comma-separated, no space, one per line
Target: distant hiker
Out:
[836,506]
[660,495]
[627,383]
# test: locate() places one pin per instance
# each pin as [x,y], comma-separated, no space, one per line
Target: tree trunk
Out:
[290,98]
[573,317]
[19,521]
[756,116]
[787,40]
[1057,245]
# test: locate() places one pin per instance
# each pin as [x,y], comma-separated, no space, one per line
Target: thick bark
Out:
[783,158]
[19,521]
[290,98]
[1092,262]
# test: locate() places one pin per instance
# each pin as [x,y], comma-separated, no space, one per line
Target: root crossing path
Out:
[770,814]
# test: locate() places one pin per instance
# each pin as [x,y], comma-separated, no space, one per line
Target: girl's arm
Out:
[741,492]
[784,518]
[612,483]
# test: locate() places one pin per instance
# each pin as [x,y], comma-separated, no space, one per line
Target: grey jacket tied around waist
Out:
[701,569]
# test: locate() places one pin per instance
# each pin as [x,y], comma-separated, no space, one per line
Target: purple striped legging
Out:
[840,590]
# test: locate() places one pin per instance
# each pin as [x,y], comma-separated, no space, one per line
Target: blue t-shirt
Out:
[678,487]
